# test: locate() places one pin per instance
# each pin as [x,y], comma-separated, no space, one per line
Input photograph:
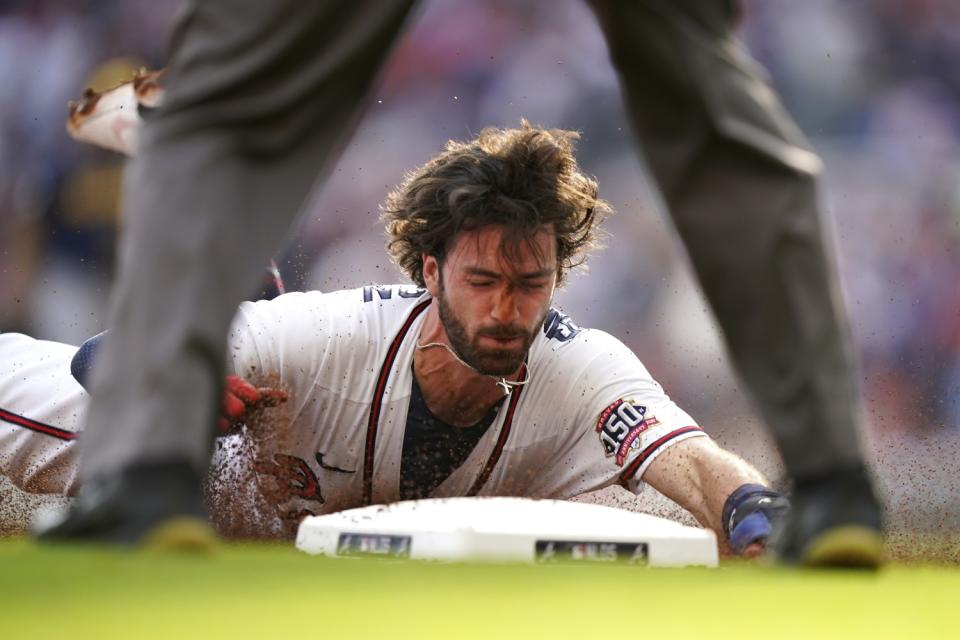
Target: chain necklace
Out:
[507,385]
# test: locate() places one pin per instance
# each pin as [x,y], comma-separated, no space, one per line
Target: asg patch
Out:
[620,426]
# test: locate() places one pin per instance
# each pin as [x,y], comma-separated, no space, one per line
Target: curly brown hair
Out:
[520,179]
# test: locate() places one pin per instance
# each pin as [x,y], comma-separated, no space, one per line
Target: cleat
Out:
[154,506]
[835,522]
[180,533]
[849,546]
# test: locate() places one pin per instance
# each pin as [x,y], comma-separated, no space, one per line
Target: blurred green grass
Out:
[274,591]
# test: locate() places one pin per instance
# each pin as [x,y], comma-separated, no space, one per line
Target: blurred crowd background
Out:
[874,83]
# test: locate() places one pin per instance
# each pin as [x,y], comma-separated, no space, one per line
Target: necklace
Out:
[507,385]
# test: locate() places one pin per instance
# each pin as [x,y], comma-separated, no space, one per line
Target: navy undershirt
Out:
[433,449]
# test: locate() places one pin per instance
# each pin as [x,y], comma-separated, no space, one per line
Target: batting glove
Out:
[240,399]
[750,515]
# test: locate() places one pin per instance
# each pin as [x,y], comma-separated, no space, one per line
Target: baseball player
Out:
[584,414]
[469,383]
[262,96]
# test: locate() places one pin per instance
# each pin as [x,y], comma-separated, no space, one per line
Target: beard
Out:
[489,361]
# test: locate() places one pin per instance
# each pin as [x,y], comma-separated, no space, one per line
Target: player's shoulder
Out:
[312,329]
[377,305]
[564,342]
[386,298]
[346,303]
[19,348]
[573,355]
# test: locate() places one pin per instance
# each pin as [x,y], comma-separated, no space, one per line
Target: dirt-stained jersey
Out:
[589,415]
[41,410]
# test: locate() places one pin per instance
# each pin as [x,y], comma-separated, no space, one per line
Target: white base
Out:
[507,529]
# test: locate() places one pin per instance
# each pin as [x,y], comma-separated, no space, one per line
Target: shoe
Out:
[835,522]
[157,505]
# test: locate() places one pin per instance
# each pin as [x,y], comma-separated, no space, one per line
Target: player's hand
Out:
[754,550]
[751,514]
[240,399]
[111,119]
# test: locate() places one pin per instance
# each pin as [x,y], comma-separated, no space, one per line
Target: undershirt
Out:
[433,449]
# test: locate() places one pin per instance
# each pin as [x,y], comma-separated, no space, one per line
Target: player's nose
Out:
[505,310]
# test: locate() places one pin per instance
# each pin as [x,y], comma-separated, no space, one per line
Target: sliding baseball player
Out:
[465,383]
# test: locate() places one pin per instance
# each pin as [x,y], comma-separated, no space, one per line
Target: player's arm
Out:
[642,436]
[721,490]
[240,398]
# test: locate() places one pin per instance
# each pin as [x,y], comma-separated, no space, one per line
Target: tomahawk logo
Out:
[620,426]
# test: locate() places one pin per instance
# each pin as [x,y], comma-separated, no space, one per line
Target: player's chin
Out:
[500,362]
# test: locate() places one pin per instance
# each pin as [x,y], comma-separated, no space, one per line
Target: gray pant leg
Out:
[261,97]
[741,185]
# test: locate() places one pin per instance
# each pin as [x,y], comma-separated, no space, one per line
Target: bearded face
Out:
[492,296]
[493,349]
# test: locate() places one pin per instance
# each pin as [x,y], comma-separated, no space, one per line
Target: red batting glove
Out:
[240,398]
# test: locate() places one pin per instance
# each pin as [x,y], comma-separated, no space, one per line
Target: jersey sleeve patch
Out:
[620,425]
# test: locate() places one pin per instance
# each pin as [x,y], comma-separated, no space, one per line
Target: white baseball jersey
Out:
[589,415]
[41,410]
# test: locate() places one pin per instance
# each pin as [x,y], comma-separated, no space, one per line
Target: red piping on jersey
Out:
[640,459]
[501,439]
[374,422]
[33,425]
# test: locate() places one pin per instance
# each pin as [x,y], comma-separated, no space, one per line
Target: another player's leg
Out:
[741,185]
[261,97]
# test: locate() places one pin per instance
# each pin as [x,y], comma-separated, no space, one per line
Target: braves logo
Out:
[293,478]
[620,426]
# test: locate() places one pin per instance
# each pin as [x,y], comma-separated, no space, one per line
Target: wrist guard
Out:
[750,514]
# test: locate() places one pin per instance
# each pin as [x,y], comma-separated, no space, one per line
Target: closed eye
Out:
[534,285]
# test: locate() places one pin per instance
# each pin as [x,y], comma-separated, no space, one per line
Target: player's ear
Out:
[431,274]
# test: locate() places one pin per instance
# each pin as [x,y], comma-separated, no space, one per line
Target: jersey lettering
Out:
[558,326]
[385,292]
